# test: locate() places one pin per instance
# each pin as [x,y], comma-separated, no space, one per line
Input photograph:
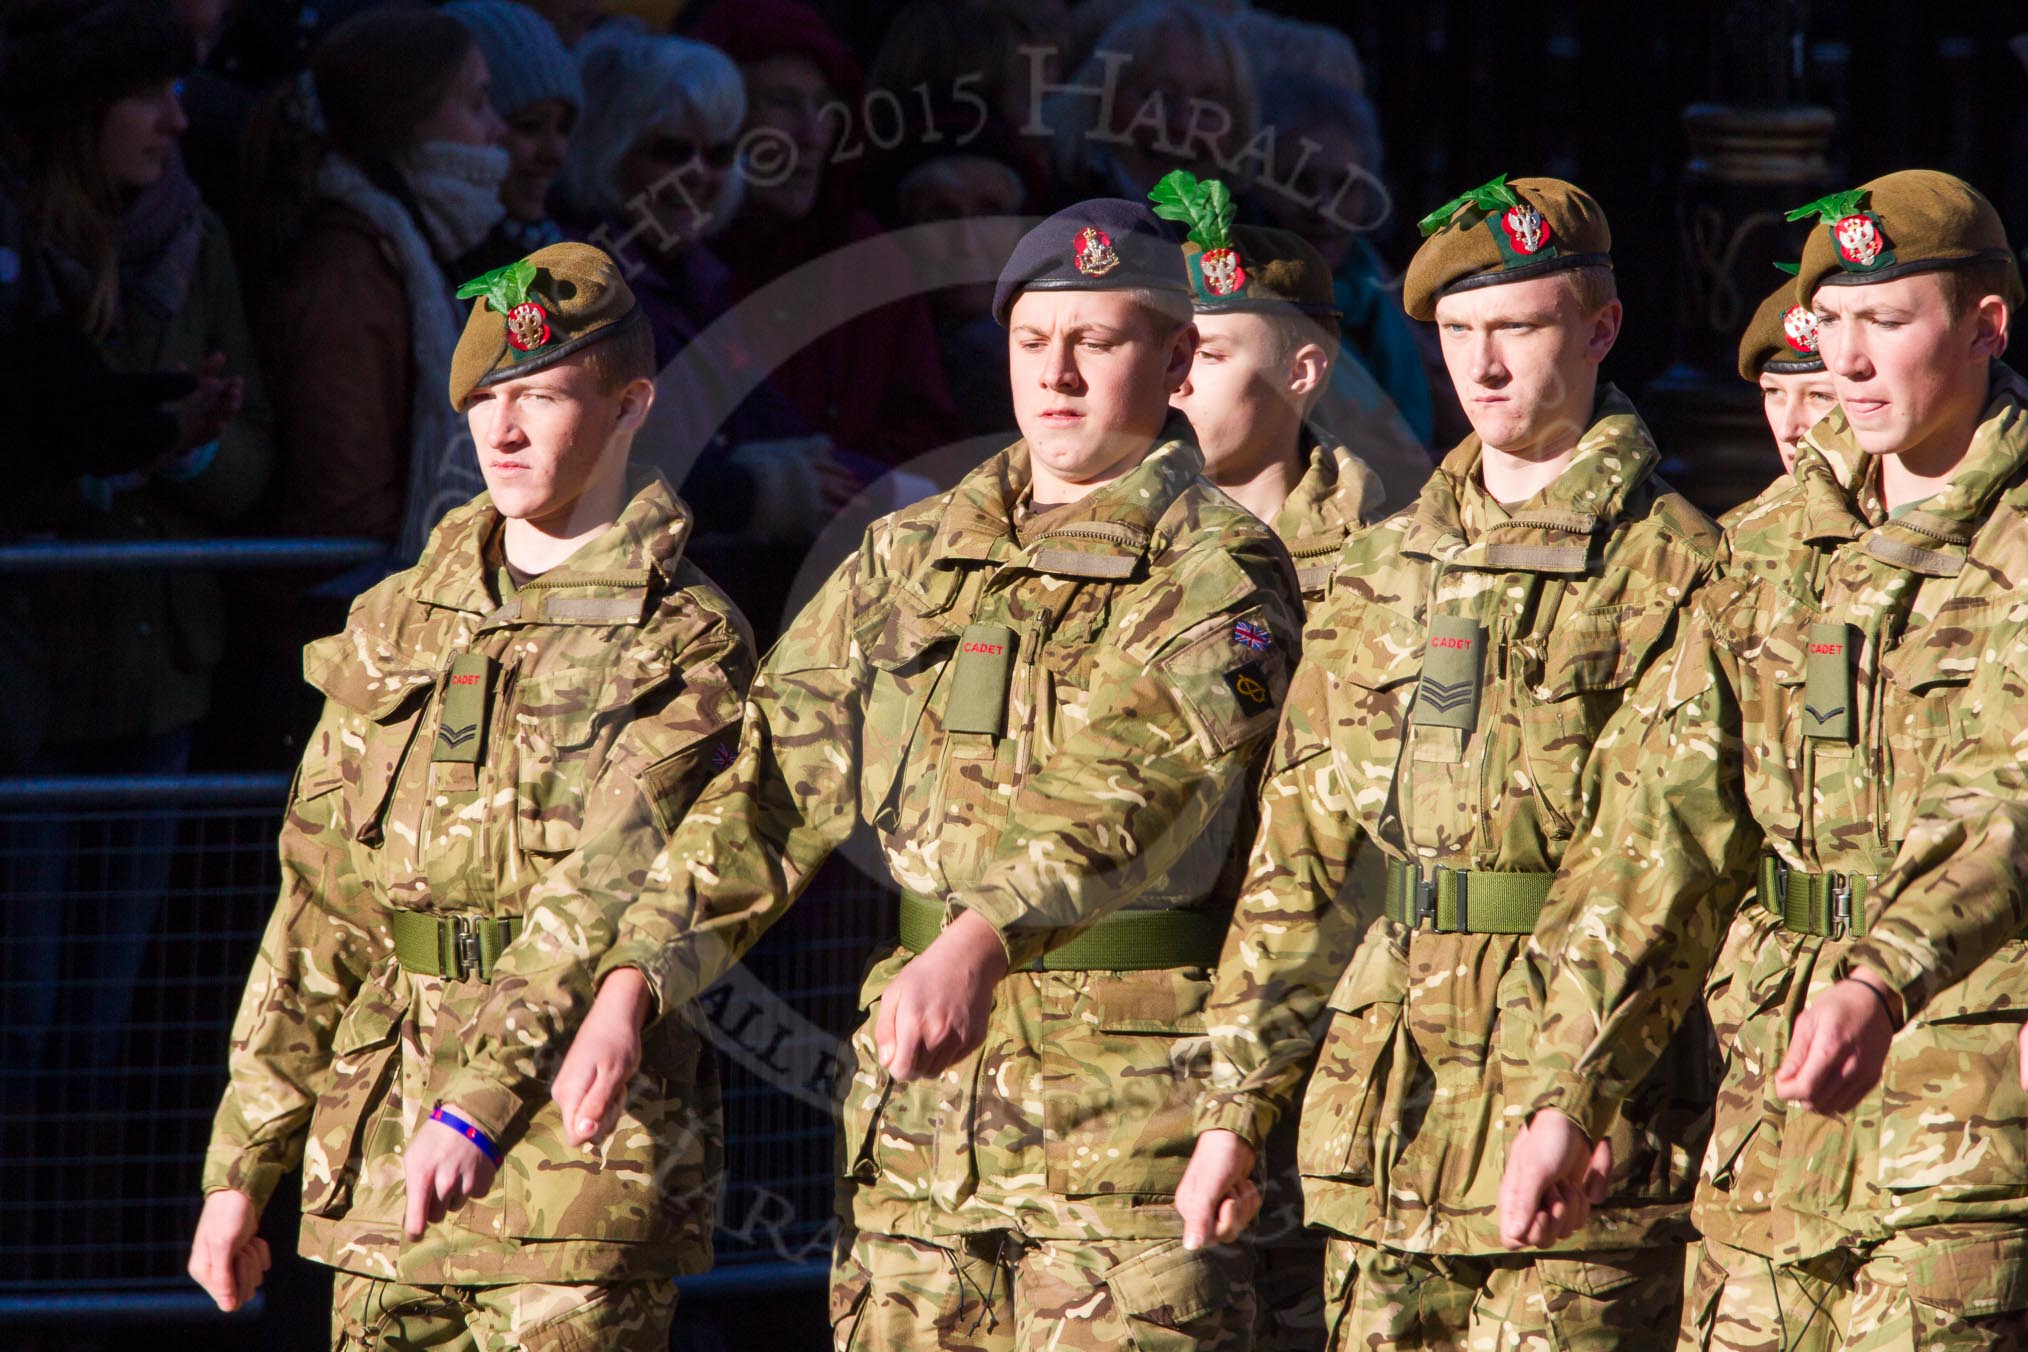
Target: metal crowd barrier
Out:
[130,911]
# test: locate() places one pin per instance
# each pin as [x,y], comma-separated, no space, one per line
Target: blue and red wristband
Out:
[469,1132]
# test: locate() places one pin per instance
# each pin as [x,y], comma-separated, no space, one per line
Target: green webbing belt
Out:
[1831,905]
[1466,901]
[1126,941]
[457,946]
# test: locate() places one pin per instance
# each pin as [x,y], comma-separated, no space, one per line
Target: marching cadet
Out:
[1791,747]
[1470,650]
[1046,691]
[1778,355]
[1267,340]
[551,670]
[1267,318]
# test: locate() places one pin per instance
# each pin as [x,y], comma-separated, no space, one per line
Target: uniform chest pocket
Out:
[1586,665]
[364,736]
[906,653]
[563,724]
[1342,1110]
[1924,714]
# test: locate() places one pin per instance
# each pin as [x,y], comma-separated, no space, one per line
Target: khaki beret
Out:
[1504,232]
[1234,269]
[1916,220]
[1781,339]
[552,304]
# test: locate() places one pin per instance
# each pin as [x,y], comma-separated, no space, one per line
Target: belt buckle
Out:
[1840,885]
[1781,881]
[1426,901]
[464,948]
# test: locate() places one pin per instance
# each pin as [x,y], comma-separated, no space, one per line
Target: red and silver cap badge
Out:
[1526,228]
[1799,326]
[1223,274]
[1858,239]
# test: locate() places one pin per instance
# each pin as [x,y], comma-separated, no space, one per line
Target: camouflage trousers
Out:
[1000,1292]
[368,1312]
[1919,1290]
[1379,1298]
[1288,1282]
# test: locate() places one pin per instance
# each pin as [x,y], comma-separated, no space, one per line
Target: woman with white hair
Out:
[650,177]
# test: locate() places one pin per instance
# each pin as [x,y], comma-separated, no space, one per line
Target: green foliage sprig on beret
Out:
[503,288]
[1790,268]
[1832,208]
[1206,207]
[1484,200]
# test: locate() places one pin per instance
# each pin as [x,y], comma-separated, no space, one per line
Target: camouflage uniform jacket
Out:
[1718,762]
[1337,494]
[616,682]
[1405,1126]
[1150,624]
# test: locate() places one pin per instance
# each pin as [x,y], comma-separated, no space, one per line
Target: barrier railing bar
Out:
[264,791]
[63,556]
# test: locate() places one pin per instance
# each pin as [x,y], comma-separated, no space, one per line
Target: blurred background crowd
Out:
[231,233]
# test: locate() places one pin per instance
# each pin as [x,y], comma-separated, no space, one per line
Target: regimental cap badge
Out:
[1092,252]
[1207,208]
[506,292]
[1527,231]
[1799,326]
[1518,225]
[1863,245]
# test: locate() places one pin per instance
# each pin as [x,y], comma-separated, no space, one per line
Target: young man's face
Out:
[1904,368]
[1092,372]
[1794,404]
[543,438]
[1524,358]
[1238,397]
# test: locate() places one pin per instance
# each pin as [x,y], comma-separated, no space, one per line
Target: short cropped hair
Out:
[624,358]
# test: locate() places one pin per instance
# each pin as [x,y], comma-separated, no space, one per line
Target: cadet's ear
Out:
[1604,331]
[635,400]
[1309,368]
[1989,333]
[1182,352]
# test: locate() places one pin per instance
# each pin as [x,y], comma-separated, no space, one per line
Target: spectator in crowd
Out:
[1278,47]
[870,378]
[116,247]
[1183,98]
[651,174]
[972,178]
[572,19]
[536,92]
[377,167]
[1326,185]
[945,52]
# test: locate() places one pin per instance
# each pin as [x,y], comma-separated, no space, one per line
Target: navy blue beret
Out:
[1105,244]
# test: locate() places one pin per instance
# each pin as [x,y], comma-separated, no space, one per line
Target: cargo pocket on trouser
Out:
[1173,1299]
[851,1280]
[1967,1290]
[1621,1298]
[543,1317]
[1340,1263]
